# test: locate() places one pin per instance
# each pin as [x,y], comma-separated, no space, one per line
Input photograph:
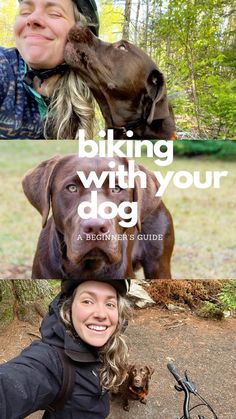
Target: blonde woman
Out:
[85,322]
[40,97]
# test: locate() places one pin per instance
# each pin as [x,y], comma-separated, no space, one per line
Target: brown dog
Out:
[66,248]
[136,385]
[126,83]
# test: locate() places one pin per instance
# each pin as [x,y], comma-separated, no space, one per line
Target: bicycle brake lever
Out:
[186,375]
[190,384]
[178,388]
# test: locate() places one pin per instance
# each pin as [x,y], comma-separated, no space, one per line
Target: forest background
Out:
[193,42]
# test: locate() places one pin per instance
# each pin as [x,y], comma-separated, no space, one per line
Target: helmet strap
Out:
[43,74]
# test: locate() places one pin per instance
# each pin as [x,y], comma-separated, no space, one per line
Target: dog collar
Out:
[130,126]
[138,392]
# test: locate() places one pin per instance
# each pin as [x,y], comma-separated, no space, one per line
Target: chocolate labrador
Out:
[126,83]
[71,247]
[136,385]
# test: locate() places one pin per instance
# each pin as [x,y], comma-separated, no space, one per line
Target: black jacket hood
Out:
[33,380]
[53,332]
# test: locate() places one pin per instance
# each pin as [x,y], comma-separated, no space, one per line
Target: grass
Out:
[20,222]
[204,220]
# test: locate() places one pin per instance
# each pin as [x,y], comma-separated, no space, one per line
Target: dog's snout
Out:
[80,33]
[137,381]
[95,226]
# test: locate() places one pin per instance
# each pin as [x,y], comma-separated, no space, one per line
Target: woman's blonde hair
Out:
[71,106]
[114,354]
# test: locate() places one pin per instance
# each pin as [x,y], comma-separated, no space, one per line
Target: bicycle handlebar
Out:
[174,372]
[188,387]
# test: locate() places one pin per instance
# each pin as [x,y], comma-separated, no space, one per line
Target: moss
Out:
[211,310]
[27,313]
[5,290]
[6,315]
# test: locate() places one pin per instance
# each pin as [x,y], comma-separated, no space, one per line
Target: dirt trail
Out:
[205,347]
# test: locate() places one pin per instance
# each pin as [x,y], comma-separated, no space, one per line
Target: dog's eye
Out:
[72,188]
[122,47]
[116,189]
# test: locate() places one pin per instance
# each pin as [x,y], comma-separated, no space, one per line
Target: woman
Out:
[86,322]
[40,97]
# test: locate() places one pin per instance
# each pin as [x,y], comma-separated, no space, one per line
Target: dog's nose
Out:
[137,381]
[95,226]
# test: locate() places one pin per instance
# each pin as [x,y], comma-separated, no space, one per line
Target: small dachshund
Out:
[136,384]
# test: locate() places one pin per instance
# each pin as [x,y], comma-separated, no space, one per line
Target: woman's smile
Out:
[97,328]
[38,36]
[41,29]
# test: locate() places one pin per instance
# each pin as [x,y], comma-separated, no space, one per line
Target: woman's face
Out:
[95,312]
[41,29]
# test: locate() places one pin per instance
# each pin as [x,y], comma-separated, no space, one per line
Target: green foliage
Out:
[220,106]
[6,303]
[227,301]
[211,310]
[227,296]
[6,315]
[111,21]
[225,150]
[193,42]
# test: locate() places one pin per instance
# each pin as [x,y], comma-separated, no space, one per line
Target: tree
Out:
[136,22]
[25,299]
[190,38]
[8,11]
[111,20]
[127,14]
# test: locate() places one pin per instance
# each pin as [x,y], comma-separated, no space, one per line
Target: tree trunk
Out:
[136,23]
[126,26]
[146,27]
[25,299]
[194,90]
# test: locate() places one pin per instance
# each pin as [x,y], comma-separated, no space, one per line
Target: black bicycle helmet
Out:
[88,8]
[121,285]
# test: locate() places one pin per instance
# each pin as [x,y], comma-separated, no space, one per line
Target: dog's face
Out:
[119,74]
[67,193]
[139,376]
[56,184]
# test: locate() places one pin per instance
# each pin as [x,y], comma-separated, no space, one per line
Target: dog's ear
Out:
[129,374]
[36,185]
[150,371]
[130,368]
[137,197]
[156,89]
[145,197]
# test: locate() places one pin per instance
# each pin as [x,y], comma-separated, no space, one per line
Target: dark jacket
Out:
[31,381]
[21,108]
